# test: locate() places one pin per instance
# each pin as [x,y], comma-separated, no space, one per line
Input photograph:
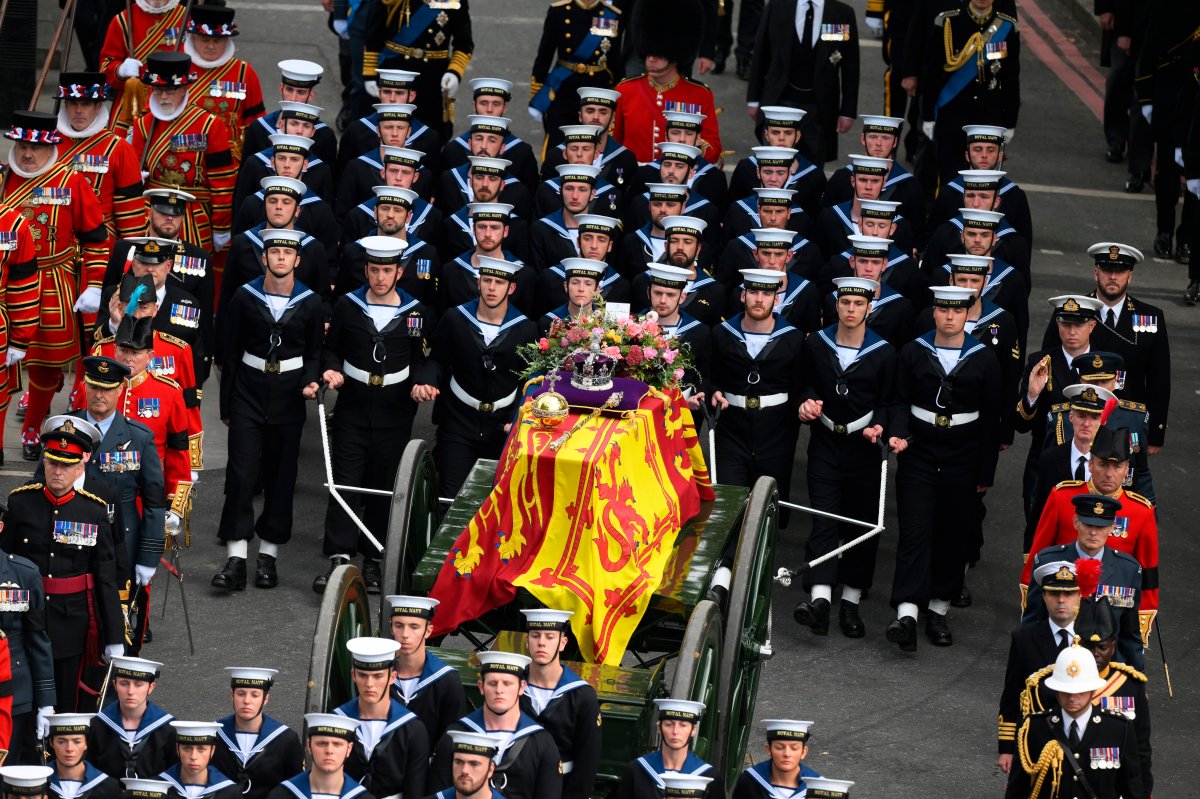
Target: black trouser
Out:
[748,448]
[367,457]
[1118,98]
[841,481]
[456,453]
[935,505]
[67,671]
[747,29]
[22,748]
[725,30]
[266,454]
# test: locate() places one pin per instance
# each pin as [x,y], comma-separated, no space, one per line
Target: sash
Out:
[155,35]
[583,53]
[421,19]
[996,32]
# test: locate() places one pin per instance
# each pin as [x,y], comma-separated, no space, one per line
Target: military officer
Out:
[298,81]
[424,683]
[678,721]
[781,130]
[490,98]
[562,701]
[68,741]
[948,442]
[391,748]
[374,344]
[67,533]
[849,375]
[528,771]
[783,774]
[192,775]
[473,767]
[271,361]
[1096,747]
[133,737]
[253,749]
[330,738]
[473,403]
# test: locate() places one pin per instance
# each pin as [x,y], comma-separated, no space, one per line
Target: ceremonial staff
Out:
[68,16]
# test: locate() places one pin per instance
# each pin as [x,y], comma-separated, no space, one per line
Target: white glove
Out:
[875,25]
[450,83]
[372,88]
[1148,112]
[89,300]
[195,477]
[1179,156]
[342,28]
[144,574]
[43,721]
[130,68]
[221,240]
[536,114]
[1008,134]
[927,129]
[173,523]
[114,651]
[14,356]
[145,175]
[1193,186]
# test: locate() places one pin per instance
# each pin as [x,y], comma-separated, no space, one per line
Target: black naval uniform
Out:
[452,190]
[396,765]
[843,467]
[435,695]
[738,254]
[424,222]
[94,785]
[799,303]
[421,275]
[757,439]
[572,717]
[471,419]
[259,132]
[460,283]
[899,186]
[1033,420]
[806,180]
[362,136]
[707,182]
[317,176]
[363,173]
[891,315]
[275,755]
[372,421]
[527,768]
[698,336]
[299,787]
[315,217]
[1010,249]
[1006,288]
[742,216]
[1140,337]
[642,777]
[218,786]
[617,164]
[946,459]
[151,753]
[1013,202]
[71,541]
[267,362]
[23,622]
[551,294]
[524,164]
[244,263]
[1106,754]
[901,273]
[835,225]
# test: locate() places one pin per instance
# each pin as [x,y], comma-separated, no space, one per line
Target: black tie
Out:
[1064,640]
[1074,735]
[1079,473]
[806,37]
[1110,319]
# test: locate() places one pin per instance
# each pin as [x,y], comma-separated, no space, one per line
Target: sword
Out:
[100,697]
[173,568]
[1163,652]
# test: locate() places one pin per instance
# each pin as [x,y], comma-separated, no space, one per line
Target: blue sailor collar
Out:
[645,233]
[416,217]
[886,294]
[269,731]
[761,774]
[300,292]
[216,780]
[525,726]
[557,221]
[301,788]
[970,345]
[653,764]
[359,298]
[92,777]
[371,158]
[398,716]
[734,326]
[686,323]
[796,284]
[897,174]
[871,342]
[152,719]
[567,682]
[433,670]
[511,317]
[987,312]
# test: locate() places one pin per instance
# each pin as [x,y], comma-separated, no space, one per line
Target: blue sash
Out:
[967,72]
[583,53]
[421,19]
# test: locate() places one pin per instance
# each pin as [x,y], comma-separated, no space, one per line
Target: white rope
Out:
[333,487]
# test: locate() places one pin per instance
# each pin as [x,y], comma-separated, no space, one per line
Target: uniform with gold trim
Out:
[20,295]
[150,29]
[430,37]
[69,538]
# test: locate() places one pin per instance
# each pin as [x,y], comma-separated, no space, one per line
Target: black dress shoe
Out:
[814,615]
[322,580]
[849,620]
[1192,294]
[936,629]
[1114,155]
[1162,244]
[344,118]
[1183,253]
[903,631]
[1135,184]
[719,63]
[232,577]
[372,575]
[31,452]
[147,636]
[265,575]
[743,69]
[964,599]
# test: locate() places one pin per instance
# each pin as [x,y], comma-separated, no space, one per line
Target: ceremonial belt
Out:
[363,376]
[942,420]
[479,405]
[82,583]
[860,423]
[756,403]
[286,365]
[568,766]
[964,74]
[58,586]
[583,51]
[58,259]
[579,68]
[419,52]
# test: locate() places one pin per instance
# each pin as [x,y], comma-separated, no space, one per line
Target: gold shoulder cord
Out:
[974,46]
[394,7]
[1049,761]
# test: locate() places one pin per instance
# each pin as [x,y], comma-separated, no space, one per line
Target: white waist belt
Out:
[286,365]
[479,405]
[860,423]
[756,403]
[363,376]
[941,420]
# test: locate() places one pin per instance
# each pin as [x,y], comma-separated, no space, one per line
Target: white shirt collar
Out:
[1116,309]
[1075,456]
[1055,630]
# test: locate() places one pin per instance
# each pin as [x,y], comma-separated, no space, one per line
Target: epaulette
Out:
[106,339]
[1130,670]
[176,340]
[561,3]
[1059,407]
[610,6]
[1139,498]
[630,80]
[1130,405]
[1039,675]
[945,15]
[1007,18]
[27,487]
[166,380]
[693,81]
[1069,484]
[83,492]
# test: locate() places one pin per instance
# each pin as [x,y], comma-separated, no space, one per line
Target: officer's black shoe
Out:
[719,62]
[743,69]
[344,118]
[147,636]
[372,575]
[1135,184]
[265,575]
[936,629]
[1183,253]
[31,452]
[1162,244]
[319,584]
[903,631]
[1191,296]
[849,620]
[1114,155]
[232,577]
[814,615]
[964,599]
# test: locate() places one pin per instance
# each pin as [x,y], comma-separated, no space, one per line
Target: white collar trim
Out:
[64,124]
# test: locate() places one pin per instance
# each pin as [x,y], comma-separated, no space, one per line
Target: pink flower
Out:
[562,342]
[633,330]
[651,328]
[650,352]
[543,345]
[612,352]
[678,374]
[576,335]
[669,355]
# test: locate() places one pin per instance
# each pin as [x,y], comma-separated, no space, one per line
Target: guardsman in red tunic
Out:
[225,86]
[150,25]
[106,160]
[71,243]
[19,298]
[184,147]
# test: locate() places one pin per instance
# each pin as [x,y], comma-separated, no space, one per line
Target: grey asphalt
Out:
[899,725]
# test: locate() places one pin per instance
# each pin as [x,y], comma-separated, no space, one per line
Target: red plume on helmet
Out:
[1109,407]
[1087,575]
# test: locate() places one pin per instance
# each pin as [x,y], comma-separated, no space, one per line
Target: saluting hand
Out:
[1039,377]
[810,409]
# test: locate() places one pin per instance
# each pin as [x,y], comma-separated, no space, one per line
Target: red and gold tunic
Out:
[71,243]
[110,165]
[231,91]
[191,153]
[639,123]
[157,402]
[151,32]
[18,293]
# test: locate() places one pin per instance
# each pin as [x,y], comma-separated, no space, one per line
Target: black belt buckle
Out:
[753,403]
[941,420]
[271,367]
[487,407]
[375,380]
